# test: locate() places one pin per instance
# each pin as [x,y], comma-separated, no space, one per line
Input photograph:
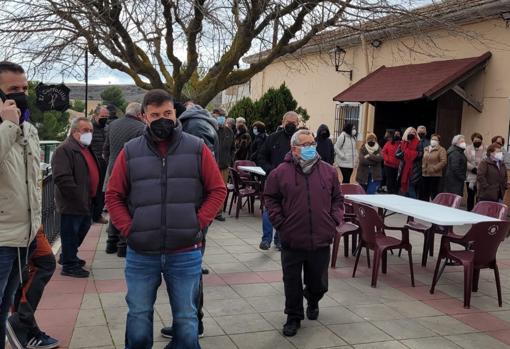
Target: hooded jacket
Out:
[325,146]
[456,171]
[304,209]
[491,180]
[198,122]
[20,184]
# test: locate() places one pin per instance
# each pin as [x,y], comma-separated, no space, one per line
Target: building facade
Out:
[477,100]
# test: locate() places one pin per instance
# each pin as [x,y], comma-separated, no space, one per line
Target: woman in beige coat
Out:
[433,163]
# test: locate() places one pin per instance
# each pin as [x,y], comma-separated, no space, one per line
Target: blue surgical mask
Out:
[221,120]
[308,153]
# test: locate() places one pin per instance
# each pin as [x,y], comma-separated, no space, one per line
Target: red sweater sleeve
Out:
[214,188]
[116,195]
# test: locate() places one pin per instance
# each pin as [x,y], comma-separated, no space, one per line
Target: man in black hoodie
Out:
[271,154]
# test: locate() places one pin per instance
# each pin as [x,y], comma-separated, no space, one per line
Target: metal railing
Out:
[50,217]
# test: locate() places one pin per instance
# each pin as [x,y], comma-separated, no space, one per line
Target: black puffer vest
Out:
[165,193]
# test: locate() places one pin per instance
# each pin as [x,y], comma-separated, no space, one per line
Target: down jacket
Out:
[346,154]
[456,171]
[20,184]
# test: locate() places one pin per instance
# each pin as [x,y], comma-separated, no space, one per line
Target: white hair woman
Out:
[457,166]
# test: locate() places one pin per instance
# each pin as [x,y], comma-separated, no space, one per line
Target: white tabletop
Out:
[426,211]
[253,169]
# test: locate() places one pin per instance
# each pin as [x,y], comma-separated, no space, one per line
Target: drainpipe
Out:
[364,48]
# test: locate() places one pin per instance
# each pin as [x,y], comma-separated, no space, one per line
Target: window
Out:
[346,113]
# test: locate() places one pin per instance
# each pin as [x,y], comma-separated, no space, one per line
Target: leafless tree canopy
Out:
[195,46]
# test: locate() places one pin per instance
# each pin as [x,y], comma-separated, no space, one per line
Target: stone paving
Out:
[244,301]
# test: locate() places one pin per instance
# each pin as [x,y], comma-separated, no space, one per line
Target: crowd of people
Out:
[161,173]
[412,164]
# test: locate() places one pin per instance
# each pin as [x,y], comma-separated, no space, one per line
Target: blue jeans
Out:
[9,281]
[267,230]
[372,185]
[411,192]
[182,272]
[73,229]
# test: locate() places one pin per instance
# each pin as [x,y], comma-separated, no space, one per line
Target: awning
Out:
[415,81]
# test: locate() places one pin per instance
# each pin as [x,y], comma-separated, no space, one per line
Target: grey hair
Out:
[231,120]
[133,109]
[456,139]
[290,113]
[295,137]
[76,121]
[98,109]
[241,119]
[421,126]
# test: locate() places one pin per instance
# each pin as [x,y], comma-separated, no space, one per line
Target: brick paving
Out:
[244,301]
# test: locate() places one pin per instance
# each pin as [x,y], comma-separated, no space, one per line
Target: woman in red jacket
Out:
[391,163]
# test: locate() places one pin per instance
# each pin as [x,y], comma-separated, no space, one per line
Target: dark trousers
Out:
[73,229]
[346,174]
[471,197]
[40,269]
[314,266]
[391,179]
[430,188]
[98,201]
[115,238]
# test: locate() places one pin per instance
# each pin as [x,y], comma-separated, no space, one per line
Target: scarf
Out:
[307,165]
[373,149]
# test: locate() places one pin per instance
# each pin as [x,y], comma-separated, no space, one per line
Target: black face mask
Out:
[477,144]
[371,144]
[422,135]
[102,122]
[21,103]
[397,138]
[290,129]
[242,129]
[410,137]
[162,128]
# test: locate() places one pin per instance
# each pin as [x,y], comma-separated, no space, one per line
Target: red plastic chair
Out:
[487,208]
[240,193]
[350,227]
[445,199]
[244,175]
[491,209]
[483,240]
[373,236]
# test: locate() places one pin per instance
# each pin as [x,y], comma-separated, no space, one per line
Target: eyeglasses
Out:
[307,145]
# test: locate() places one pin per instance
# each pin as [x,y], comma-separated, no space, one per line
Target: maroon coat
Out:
[304,209]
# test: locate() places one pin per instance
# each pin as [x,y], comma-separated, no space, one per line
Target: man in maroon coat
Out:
[305,206]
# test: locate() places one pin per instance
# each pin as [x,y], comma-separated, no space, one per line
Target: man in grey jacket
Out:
[20,184]
[119,132]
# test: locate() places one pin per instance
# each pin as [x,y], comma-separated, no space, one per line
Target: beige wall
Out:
[314,82]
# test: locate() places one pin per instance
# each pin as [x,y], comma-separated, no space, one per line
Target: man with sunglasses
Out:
[305,206]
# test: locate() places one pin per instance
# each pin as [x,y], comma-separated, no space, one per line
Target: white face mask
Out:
[434,143]
[498,156]
[354,132]
[86,138]
[255,132]
[462,145]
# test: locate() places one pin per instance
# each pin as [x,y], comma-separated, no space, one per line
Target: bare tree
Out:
[192,47]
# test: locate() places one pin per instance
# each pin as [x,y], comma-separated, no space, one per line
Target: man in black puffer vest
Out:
[165,188]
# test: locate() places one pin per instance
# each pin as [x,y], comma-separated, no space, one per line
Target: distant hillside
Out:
[132,93]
